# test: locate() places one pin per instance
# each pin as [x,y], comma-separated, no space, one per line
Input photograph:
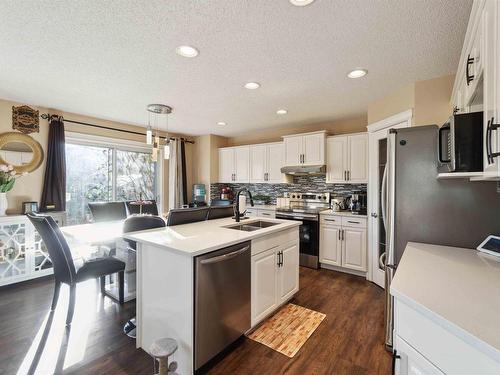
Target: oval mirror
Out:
[21,151]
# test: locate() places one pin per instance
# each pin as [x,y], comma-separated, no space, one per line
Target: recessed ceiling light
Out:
[221,123]
[281,111]
[252,85]
[187,51]
[357,73]
[301,3]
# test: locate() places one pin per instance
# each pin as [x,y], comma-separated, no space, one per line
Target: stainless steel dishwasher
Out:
[222,300]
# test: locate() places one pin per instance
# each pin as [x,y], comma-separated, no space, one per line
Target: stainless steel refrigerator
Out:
[418,207]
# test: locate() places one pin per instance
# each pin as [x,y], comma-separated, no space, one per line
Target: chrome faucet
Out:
[237,210]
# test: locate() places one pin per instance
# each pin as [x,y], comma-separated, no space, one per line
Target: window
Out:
[96,172]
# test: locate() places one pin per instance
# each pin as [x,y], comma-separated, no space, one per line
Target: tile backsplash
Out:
[302,184]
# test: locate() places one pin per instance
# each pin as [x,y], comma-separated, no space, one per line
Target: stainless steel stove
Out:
[306,208]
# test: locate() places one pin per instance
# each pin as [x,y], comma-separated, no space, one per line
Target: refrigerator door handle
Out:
[383,197]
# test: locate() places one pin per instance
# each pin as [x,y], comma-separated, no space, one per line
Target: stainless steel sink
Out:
[255,225]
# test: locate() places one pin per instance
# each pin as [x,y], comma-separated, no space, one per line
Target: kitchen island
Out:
[166,276]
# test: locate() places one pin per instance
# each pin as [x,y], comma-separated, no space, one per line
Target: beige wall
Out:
[429,99]
[399,101]
[343,126]
[29,188]
[433,100]
[206,160]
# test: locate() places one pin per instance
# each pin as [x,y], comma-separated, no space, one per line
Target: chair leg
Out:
[71,306]
[57,288]
[121,287]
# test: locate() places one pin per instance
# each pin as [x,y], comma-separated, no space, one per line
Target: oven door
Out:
[309,238]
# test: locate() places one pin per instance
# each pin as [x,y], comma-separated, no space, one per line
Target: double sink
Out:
[252,226]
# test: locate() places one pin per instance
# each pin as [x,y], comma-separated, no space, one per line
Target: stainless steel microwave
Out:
[461,143]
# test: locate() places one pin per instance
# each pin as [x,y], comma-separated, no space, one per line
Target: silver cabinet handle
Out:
[224,257]
[353,222]
[342,235]
[348,175]
[265,214]
[329,219]
[340,230]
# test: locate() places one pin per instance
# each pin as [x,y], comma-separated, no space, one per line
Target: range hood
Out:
[304,170]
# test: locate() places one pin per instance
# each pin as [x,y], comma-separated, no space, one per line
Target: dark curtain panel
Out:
[54,184]
[184,180]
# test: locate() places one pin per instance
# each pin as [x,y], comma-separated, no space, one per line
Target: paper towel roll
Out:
[243,203]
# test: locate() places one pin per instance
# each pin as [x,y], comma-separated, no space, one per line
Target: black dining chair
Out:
[108,211]
[148,207]
[218,212]
[65,271]
[134,224]
[178,216]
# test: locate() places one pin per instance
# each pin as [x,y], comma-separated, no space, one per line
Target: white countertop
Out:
[340,213]
[204,236]
[459,287]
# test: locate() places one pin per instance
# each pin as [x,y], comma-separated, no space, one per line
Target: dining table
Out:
[96,240]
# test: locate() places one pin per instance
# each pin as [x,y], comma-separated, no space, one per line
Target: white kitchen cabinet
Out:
[266,161]
[275,273]
[258,161]
[347,159]
[264,284]
[411,362]
[288,272]
[305,149]
[491,86]
[241,164]
[330,251]
[336,159]
[354,248]
[234,164]
[226,165]
[477,82]
[275,161]
[343,242]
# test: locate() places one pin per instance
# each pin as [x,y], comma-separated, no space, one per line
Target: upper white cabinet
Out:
[347,159]
[305,149]
[477,83]
[234,164]
[266,161]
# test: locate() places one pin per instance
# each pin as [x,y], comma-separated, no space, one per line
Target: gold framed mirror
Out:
[21,151]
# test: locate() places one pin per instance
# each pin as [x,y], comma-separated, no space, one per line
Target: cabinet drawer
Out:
[446,351]
[331,220]
[274,240]
[266,213]
[353,221]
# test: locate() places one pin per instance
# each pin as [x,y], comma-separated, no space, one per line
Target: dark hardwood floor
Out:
[349,340]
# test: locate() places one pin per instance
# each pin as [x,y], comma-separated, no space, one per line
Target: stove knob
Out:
[324,198]
[293,196]
[298,196]
[318,197]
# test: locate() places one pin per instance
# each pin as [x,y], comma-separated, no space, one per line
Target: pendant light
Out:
[157,110]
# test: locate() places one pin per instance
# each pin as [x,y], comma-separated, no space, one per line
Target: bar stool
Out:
[160,350]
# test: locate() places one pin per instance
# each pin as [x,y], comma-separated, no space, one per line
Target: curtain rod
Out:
[48,116]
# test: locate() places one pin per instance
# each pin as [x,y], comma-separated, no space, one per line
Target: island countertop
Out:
[455,286]
[205,236]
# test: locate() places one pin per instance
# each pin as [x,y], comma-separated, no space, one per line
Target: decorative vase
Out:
[3,204]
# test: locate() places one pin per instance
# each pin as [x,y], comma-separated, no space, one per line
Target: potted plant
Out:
[8,177]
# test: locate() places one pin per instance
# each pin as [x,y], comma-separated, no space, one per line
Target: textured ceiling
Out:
[109,59]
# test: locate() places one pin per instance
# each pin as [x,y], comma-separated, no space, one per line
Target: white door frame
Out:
[376,131]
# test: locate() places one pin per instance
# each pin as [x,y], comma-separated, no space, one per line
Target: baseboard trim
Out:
[344,270]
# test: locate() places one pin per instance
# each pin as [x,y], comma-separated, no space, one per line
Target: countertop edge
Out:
[251,236]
